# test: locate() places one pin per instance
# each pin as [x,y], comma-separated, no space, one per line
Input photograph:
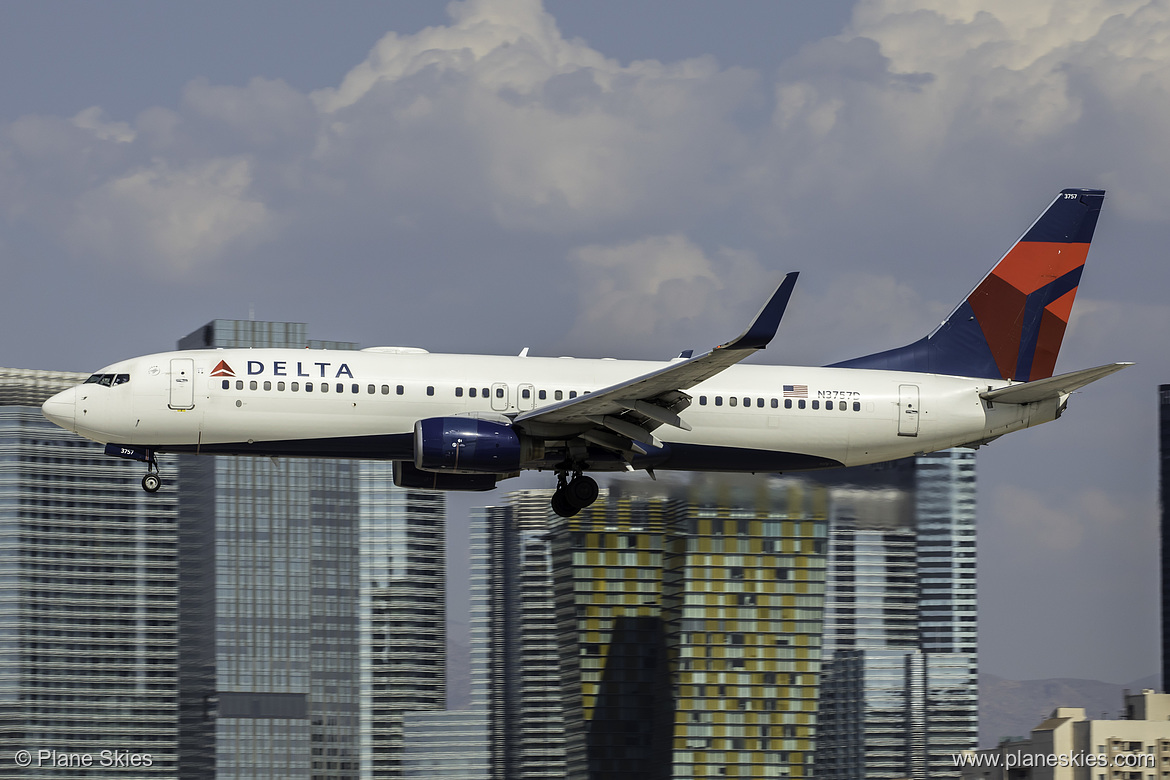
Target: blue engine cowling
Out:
[466,445]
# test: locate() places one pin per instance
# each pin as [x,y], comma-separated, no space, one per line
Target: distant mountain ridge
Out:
[1015,707]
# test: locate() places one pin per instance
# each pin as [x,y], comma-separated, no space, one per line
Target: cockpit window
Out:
[108,379]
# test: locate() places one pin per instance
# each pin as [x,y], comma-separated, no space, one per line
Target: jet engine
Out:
[468,445]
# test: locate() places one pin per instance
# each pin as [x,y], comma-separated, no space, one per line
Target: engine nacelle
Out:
[467,445]
[407,476]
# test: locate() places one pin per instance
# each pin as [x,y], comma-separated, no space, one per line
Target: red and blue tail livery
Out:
[1011,326]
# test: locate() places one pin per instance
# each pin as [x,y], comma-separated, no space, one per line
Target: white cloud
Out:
[168,219]
[663,290]
[95,120]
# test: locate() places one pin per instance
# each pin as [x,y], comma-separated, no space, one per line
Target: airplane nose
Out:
[61,409]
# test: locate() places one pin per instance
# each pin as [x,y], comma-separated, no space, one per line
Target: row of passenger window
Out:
[340,387]
[525,393]
[801,403]
[323,387]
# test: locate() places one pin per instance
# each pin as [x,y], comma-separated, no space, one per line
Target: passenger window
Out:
[732,401]
[340,387]
[572,394]
[485,393]
[800,404]
[526,393]
[239,384]
[280,386]
[227,384]
[295,386]
[702,400]
[543,394]
[385,389]
[829,405]
[857,406]
[775,404]
[400,389]
[308,387]
[253,385]
[499,392]
[816,404]
[324,387]
[355,389]
[370,389]
[787,403]
[458,392]
[471,392]
[843,406]
[559,394]
[719,400]
[430,389]
[760,402]
[267,385]
[747,402]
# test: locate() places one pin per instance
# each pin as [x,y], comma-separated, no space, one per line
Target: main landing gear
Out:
[571,496]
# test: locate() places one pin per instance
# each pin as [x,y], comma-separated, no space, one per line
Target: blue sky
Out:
[622,179]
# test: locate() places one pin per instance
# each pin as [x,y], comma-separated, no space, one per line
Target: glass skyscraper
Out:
[900,687]
[403,614]
[312,606]
[88,624]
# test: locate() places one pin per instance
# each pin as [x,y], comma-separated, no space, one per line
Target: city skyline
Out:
[625,179]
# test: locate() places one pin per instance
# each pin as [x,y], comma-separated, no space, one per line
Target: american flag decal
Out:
[796,391]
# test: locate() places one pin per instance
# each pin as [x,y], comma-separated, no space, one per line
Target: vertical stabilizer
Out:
[1012,324]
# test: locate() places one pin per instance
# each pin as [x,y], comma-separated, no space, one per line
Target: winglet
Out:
[763,327]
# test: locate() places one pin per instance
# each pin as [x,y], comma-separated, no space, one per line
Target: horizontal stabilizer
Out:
[1052,387]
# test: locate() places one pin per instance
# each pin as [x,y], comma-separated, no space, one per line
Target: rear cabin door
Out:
[908,410]
[182,383]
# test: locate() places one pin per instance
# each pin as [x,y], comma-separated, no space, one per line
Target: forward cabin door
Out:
[908,409]
[182,383]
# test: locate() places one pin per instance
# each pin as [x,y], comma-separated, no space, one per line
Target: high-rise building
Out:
[403,614]
[88,623]
[300,579]
[1164,495]
[690,617]
[512,728]
[899,692]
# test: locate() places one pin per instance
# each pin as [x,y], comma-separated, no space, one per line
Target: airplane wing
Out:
[620,416]
[1052,387]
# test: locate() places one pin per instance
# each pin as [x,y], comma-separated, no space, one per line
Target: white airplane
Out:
[464,422]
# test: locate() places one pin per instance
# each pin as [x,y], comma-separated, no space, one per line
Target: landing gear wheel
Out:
[582,491]
[561,504]
[151,482]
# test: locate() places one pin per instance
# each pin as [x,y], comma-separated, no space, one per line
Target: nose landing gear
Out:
[151,482]
[571,496]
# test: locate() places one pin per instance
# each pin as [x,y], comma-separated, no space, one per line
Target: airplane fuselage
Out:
[364,404]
